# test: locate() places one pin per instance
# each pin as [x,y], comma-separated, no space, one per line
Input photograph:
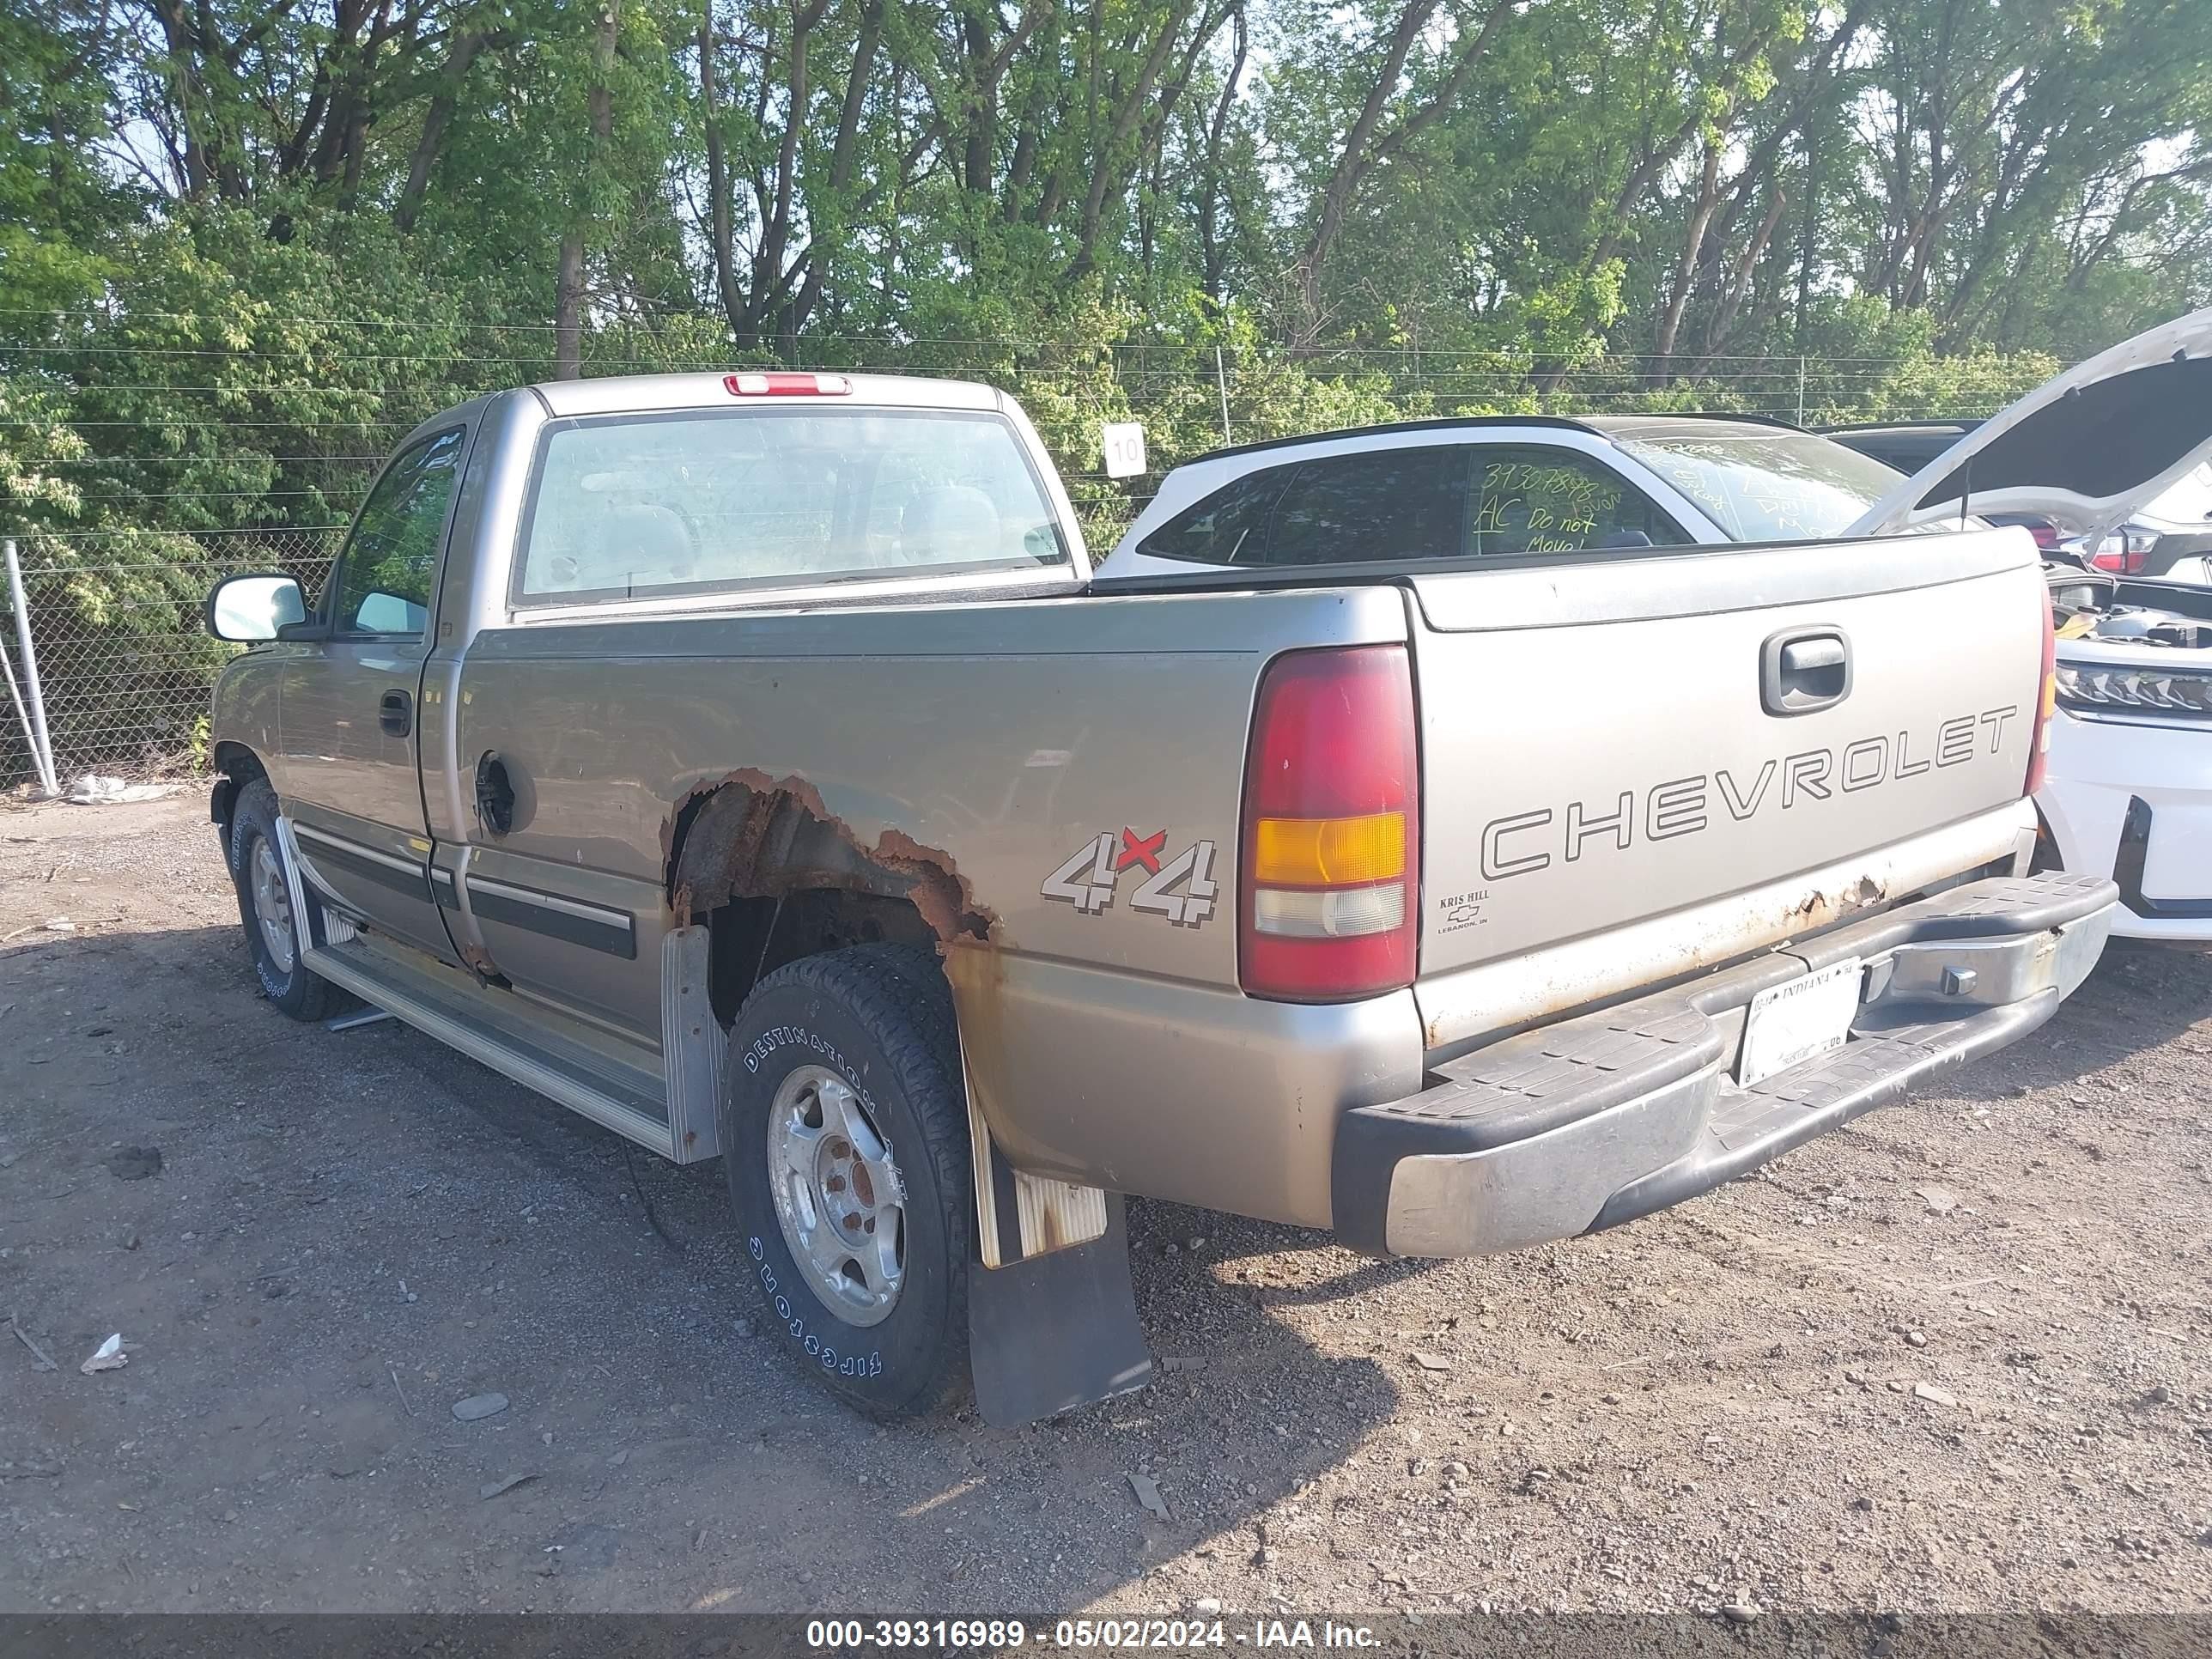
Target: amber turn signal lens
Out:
[1328,851]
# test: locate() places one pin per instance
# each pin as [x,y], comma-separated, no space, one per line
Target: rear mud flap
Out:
[1057,1331]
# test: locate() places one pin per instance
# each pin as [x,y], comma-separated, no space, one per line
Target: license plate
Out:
[1789,1024]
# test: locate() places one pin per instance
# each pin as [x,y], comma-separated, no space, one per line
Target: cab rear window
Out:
[632,507]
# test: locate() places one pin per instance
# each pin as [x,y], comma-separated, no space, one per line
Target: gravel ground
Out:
[1954,1358]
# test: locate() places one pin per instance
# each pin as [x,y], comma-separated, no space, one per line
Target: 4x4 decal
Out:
[1087,880]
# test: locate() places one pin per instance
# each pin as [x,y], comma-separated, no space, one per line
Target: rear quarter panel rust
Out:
[715,843]
[992,742]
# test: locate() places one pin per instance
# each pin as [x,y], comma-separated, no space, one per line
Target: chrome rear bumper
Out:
[1602,1119]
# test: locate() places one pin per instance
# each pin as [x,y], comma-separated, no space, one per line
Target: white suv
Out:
[1516,486]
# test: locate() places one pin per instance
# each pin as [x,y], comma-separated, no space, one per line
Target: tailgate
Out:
[1608,741]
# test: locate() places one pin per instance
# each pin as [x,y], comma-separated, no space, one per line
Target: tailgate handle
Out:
[1804,669]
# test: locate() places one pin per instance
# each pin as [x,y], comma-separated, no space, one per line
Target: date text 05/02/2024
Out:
[1162,1635]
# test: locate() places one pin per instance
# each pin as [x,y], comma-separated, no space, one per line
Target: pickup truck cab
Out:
[752,764]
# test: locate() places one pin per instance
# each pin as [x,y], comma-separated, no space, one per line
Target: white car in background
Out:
[2170,540]
[2118,443]
[2114,452]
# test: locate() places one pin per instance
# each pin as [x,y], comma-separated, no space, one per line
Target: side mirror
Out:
[249,610]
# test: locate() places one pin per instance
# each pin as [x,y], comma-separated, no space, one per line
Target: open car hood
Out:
[2085,449]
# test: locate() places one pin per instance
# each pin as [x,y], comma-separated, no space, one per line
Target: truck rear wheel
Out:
[265,906]
[844,1133]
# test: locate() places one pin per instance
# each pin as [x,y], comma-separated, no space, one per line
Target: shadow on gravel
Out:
[2139,997]
[345,1234]
[349,1233]
[1167,1230]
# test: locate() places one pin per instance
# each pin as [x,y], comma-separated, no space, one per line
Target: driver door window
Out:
[382,587]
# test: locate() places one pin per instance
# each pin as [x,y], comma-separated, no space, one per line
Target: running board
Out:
[630,1099]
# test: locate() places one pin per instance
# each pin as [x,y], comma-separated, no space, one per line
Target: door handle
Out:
[395,713]
[1804,669]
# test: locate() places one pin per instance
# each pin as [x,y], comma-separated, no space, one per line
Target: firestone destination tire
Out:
[844,1134]
[265,906]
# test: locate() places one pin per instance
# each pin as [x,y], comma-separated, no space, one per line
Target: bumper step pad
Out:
[1530,1085]
[1533,1084]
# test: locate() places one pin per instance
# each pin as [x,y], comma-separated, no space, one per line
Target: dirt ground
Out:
[1959,1356]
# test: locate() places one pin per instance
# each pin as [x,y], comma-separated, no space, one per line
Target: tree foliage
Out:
[244,243]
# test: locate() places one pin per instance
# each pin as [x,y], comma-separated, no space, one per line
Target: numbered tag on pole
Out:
[1125,448]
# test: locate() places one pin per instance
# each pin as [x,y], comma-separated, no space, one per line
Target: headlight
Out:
[2102,688]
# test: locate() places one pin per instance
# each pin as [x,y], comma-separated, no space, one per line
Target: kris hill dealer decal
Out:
[1181,888]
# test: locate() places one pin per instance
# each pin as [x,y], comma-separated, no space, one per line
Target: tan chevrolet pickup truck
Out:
[752,764]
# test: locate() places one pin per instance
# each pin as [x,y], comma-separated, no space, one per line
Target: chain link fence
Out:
[126,663]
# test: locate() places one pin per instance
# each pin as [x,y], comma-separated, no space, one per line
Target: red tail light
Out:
[2046,697]
[1328,889]
[780,383]
[2125,552]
